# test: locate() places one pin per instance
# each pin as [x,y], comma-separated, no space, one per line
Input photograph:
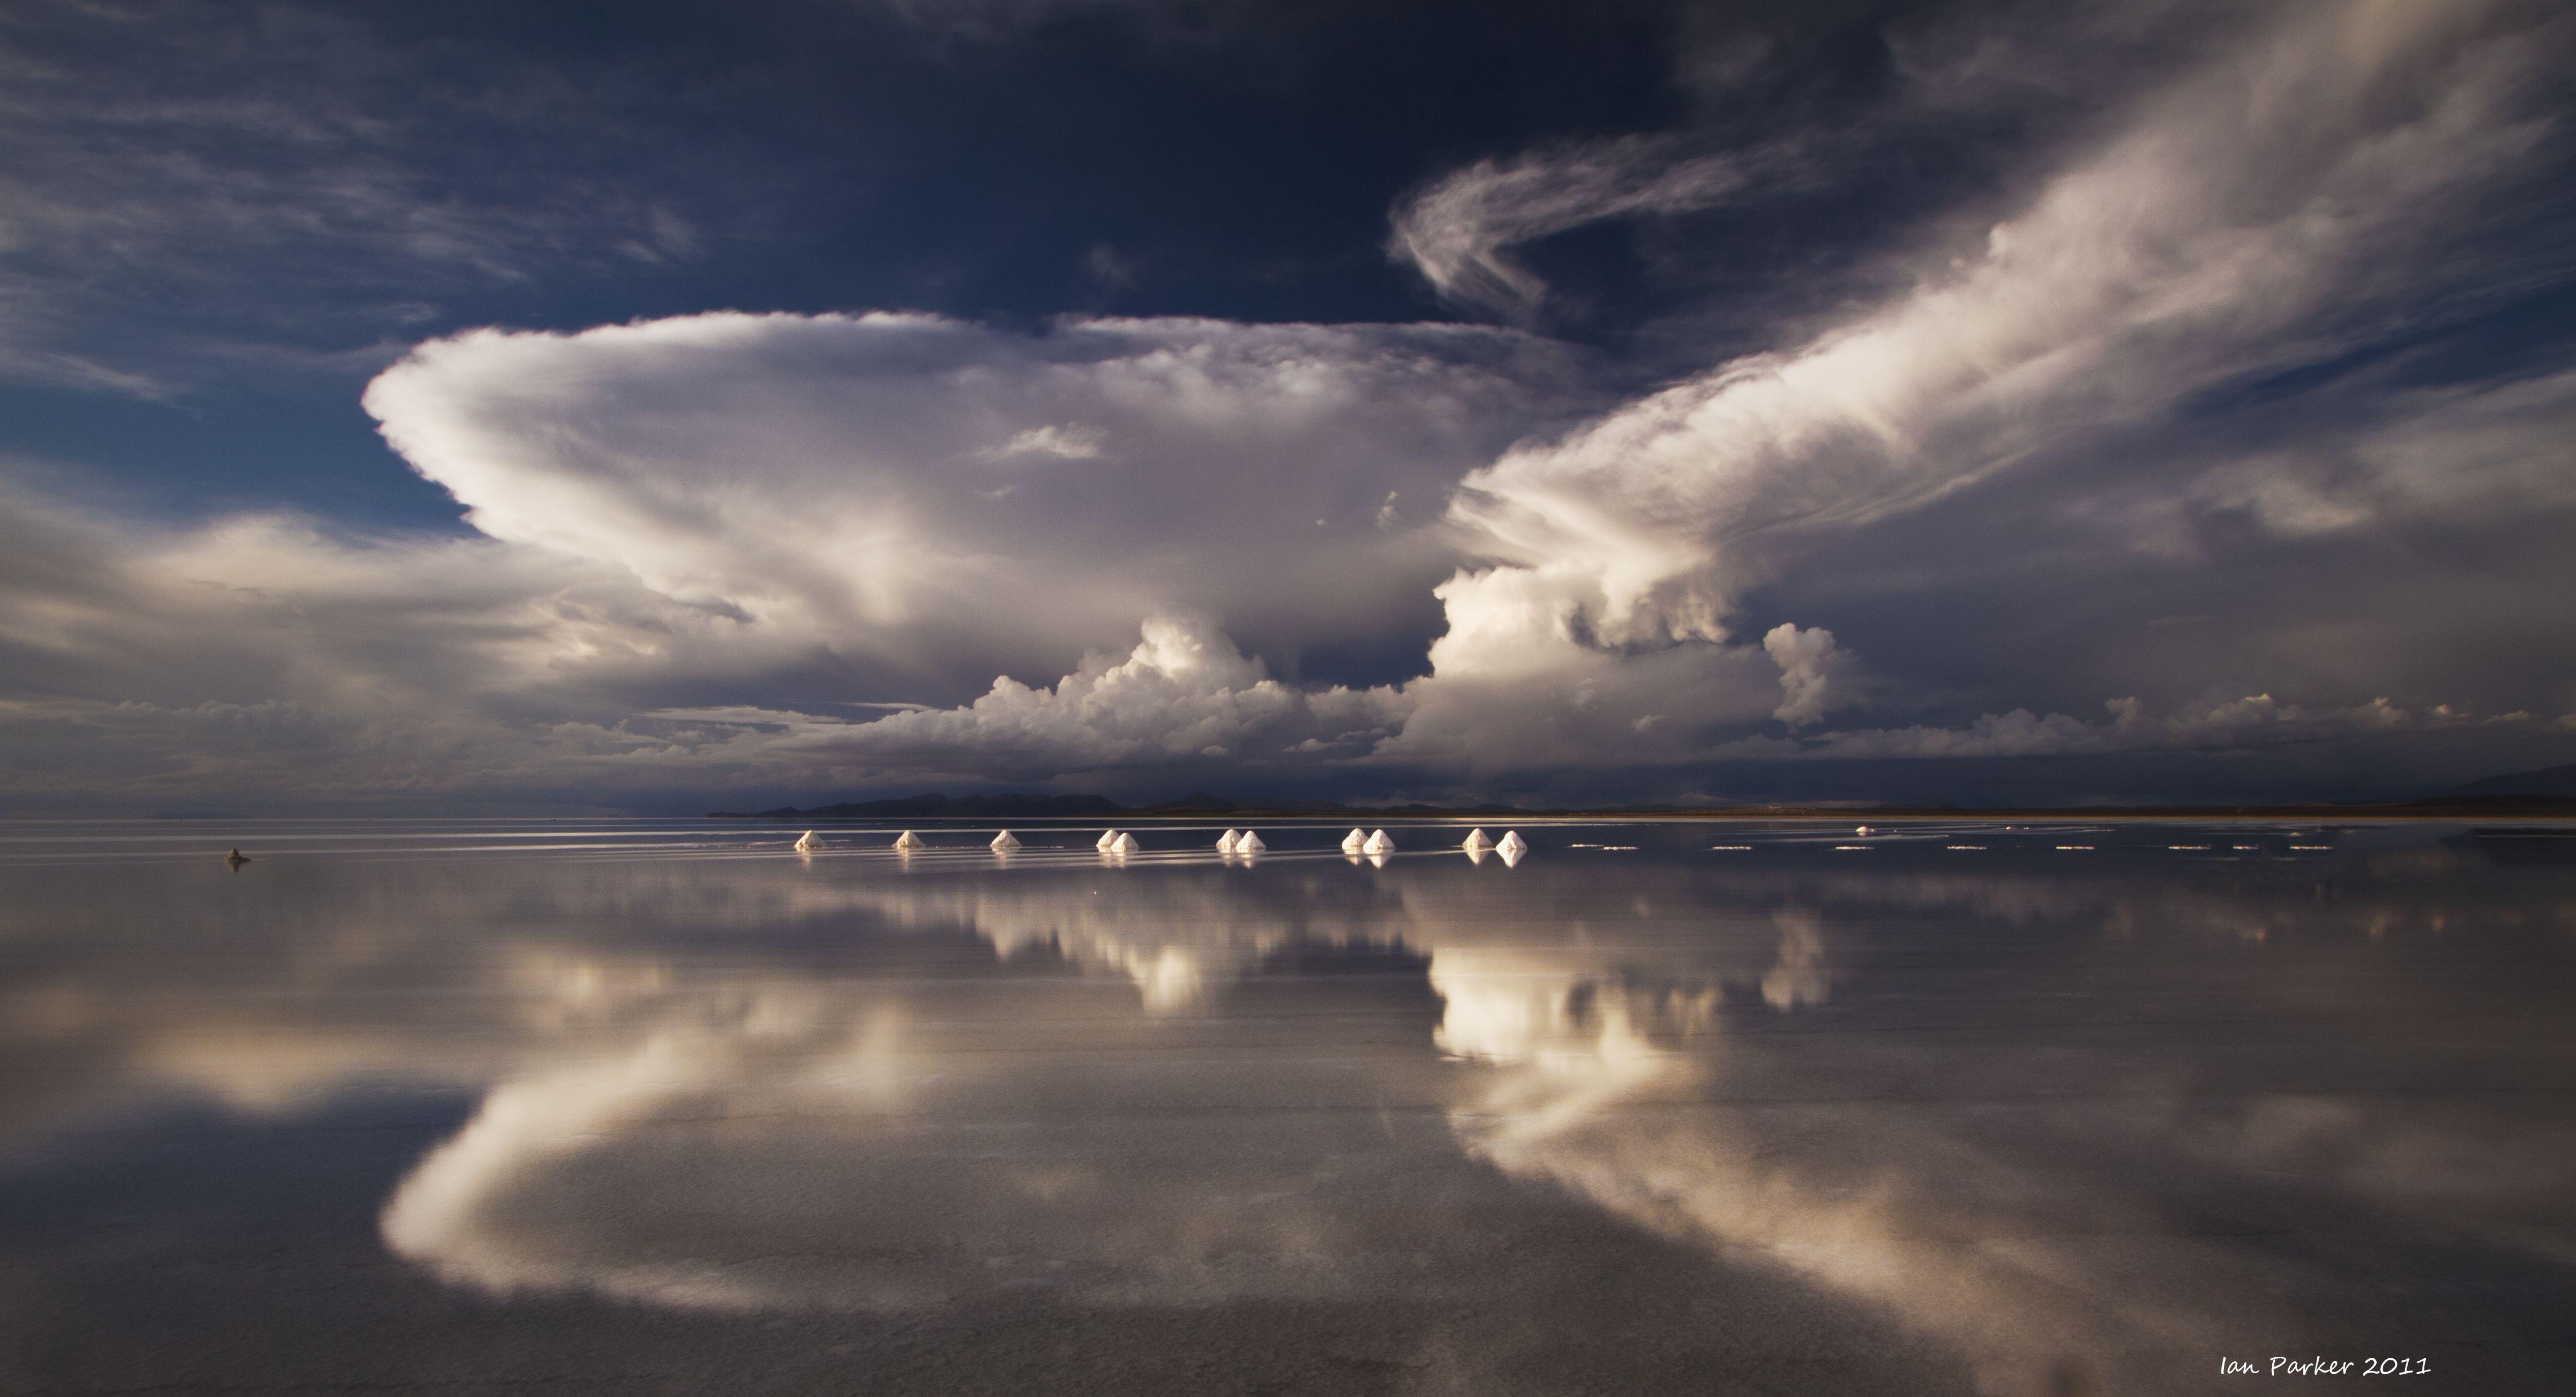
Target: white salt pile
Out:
[1225,842]
[909,841]
[1124,844]
[1353,842]
[1513,846]
[1476,840]
[1004,843]
[808,844]
[1107,838]
[1250,843]
[1378,843]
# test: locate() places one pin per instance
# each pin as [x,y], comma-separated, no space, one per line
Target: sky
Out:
[652,407]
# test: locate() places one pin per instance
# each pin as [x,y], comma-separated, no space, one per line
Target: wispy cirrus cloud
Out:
[1459,230]
[277,187]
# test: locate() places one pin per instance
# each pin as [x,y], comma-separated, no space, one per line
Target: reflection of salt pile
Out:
[1107,838]
[1250,843]
[1378,843]
[1801,976]
[1476,854]
[1004,843]
[808,844]
[1225,842]
[1353,842]
[1123,845]
[909,841]
[1476,840]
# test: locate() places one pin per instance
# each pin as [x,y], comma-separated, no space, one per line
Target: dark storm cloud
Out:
[2104,387]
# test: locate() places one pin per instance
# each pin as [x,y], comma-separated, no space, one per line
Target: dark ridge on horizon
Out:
[936,806]
[2548,781]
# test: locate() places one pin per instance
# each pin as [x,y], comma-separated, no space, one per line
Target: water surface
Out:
[1655,1108]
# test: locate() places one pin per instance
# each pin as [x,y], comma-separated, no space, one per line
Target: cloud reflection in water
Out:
[2037,1116]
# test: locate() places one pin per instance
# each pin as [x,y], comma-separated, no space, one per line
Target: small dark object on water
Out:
[236,858]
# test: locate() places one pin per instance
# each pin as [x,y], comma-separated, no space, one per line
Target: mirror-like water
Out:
[1655,1107]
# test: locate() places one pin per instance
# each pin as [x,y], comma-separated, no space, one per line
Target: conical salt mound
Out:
[1005,842]
[1476,840]
[1378,843]
[1107,838]
[1250,843]
[909,841]
[1513,846]
[808,844]
[1353,842]
[1123,844]
[1225,842]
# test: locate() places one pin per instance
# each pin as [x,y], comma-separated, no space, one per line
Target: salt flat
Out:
[1947,1107]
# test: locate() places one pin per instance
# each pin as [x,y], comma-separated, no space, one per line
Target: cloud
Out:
[859,482]
[2255,720]
[1183,695]
[1458,230]
[2245,219]
[287,177]
[2190,413]
[2450,453]
[1072,442]
[1807,660]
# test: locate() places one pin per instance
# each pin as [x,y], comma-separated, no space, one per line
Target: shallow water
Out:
[664,1106]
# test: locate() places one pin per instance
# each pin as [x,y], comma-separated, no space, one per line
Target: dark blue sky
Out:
[615,162]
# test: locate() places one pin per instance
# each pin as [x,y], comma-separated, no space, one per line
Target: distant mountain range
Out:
[2548,781]
[2551,791]
[1052,807]
[943,807]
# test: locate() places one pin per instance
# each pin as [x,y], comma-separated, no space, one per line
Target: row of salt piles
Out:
[905,842]
[1231,842]
[1377,843]
[909,842]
